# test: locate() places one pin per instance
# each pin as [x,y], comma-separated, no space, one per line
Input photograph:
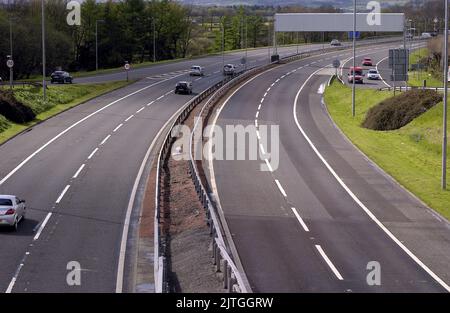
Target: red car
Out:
[356,72]
[367,62]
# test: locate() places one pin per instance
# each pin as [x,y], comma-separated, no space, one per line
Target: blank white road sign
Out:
[339,22]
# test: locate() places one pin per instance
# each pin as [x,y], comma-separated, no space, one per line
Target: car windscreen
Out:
[5,202]
[373,72]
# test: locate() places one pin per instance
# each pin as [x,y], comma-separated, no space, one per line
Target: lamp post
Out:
[96,43]
[154,40]
[268,39]
[444,119]
[44,87]
[11,54]
[246,42]
[223,43]
[354,58]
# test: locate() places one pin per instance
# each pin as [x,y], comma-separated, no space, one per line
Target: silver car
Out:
[12,211]
[196,70]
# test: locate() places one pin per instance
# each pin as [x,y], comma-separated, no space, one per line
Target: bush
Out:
[14,110]
[396,112]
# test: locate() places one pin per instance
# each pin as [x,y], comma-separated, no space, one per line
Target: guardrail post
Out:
[217,260]
[225,274]
[214,251]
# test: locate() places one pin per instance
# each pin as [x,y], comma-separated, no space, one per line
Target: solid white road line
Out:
[117,128]
[41,228]
[79,171]
[382,79]
[327,260]
[4,179]
[365,209]
[281,188]
[62,194]
[105,140]
[299,218]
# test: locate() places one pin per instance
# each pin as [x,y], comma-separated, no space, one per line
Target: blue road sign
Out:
[350,35]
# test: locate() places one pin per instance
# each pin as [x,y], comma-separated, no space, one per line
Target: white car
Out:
[196,70]
[12,210]
[373,74]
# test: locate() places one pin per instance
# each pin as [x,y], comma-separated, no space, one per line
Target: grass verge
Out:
[60,98]
[416,78]
[411,154]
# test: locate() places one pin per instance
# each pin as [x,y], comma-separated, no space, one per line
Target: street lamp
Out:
[223,43]
[154,40]
[354,58]
[444,119]
[96,43]
[268,38]
[10,57]
[246,41]
[44,87]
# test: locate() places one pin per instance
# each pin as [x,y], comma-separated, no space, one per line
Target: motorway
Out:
[160,71]
[77,171]
[315,222]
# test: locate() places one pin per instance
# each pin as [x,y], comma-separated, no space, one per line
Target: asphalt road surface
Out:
[77,171]
[324,217]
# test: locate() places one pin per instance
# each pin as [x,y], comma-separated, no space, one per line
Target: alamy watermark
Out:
[373,278]
[374,16]
[74,15]
[73,277]
[233,142]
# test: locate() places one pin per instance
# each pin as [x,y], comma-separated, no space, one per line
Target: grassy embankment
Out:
[411,154]
[59,98]
[416,78]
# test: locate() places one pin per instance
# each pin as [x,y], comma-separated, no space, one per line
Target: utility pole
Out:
[297,42]
[354,58]
[246,42]
[223,44]
[11,53]
[444,126]
[96,43]
[268,39]
[154,41]
[43,51]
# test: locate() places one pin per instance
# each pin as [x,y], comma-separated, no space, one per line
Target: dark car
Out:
[61,77]
[183,87]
